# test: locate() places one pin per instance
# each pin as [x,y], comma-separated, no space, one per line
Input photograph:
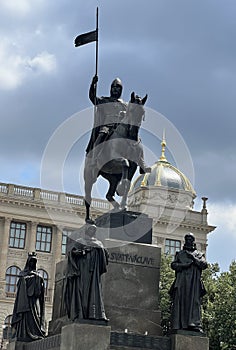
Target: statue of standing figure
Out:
[87,261]
[187,290]
[29,308]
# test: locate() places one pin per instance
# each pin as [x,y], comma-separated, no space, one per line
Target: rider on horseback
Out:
[110,112]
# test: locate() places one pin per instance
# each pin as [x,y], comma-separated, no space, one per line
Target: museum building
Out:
[33,219]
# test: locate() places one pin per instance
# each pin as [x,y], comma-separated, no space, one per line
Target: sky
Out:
[182,53]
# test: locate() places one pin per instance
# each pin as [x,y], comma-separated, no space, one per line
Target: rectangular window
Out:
[65,234]
[172,247]
[43,238]
[17,235]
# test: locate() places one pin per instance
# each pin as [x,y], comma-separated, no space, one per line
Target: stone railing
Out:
[48,196]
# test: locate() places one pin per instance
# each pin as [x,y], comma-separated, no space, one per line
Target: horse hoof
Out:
[90,221]
[123,208]
[115,210]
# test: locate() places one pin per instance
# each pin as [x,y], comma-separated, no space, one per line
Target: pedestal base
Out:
[85,336]
[126,226]
[188,342]
[15,345]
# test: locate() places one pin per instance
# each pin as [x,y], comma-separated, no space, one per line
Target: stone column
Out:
[31,237]
[57,240]
[3,252]
[56,249]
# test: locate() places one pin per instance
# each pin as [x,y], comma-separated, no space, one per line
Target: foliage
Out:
[218,306]
[166,279]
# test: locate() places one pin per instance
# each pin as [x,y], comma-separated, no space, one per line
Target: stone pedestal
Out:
[15,345]
[131,287]
[188,342]
[85,337]
[125,226]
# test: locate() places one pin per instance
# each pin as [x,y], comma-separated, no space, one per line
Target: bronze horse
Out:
[117,158]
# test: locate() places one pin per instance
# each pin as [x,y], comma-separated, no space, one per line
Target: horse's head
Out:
[135,109]
[137,99]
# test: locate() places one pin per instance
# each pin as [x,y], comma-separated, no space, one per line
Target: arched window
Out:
[44,274]
[12,275]
[7,333]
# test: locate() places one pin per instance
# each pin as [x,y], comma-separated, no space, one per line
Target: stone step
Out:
[129,341]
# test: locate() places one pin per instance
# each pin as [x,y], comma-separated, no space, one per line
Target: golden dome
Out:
[163,174]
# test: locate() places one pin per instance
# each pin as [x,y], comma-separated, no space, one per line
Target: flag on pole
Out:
[86,38]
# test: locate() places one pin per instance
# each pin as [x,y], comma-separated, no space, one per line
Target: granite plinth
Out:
[188,342]
[59,317]
[131,287]
[85,337]
[15,345]
[47,343]
[126,226]
[122,225]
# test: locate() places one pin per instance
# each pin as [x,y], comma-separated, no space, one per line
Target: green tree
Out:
[219,307]
[210,280]
[167,276]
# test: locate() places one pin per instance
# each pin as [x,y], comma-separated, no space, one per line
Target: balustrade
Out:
[37,194]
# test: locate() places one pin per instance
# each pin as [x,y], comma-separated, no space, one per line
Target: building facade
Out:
[37,220]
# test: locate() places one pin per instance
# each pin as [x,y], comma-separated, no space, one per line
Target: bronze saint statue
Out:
[188,289]
[115,149]
[87,261]
[29,308]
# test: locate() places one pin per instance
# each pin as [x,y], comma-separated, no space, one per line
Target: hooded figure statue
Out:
[87,261]
[29,308]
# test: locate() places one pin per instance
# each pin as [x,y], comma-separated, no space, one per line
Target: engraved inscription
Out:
[133,259]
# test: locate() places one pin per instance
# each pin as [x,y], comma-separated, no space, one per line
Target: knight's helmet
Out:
[116,82]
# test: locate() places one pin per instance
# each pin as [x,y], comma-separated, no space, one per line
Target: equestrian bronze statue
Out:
[115,149]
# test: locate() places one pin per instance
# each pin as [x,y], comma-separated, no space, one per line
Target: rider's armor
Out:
[108,114]
[112,112]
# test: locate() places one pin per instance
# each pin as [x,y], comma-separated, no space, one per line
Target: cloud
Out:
[224,216]
[43,62]
[19,8]
[15,67]
[222,241]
